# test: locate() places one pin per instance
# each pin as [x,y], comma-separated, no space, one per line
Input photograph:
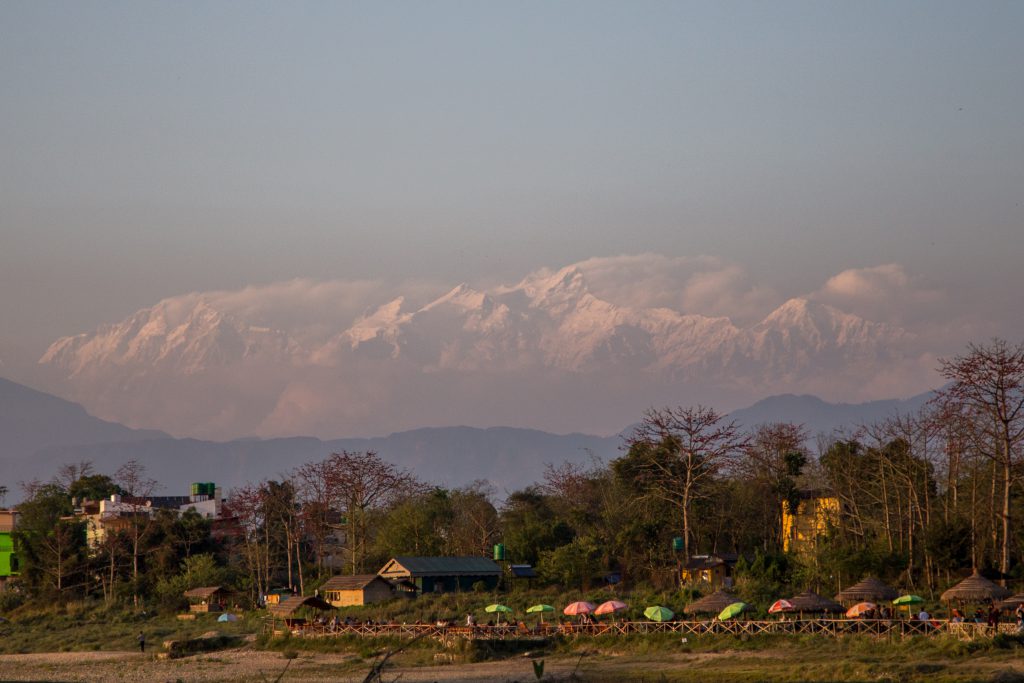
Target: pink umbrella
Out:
[781,606]
[610,606]
[860,608]
[578,608]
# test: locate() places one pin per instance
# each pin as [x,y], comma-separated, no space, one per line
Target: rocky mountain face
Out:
[524,351]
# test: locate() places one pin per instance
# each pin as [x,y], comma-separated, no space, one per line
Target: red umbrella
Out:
[610,606]
[781,606]
[578,608]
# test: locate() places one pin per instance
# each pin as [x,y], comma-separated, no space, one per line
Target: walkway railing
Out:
[881,628]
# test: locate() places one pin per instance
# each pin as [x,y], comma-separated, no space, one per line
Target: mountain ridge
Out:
[509,457]
[523,349]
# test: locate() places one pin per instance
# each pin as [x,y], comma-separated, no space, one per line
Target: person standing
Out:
[142,642]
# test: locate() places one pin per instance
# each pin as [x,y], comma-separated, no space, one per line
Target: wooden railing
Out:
[881,628]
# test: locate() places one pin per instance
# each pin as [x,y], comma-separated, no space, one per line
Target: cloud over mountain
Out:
[584,347]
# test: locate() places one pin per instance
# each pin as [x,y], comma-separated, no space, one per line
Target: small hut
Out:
[975,588]
[812,603]
[868,590]
[206,599]
[1012,602]
[291,610]
[711,604]
[361,589]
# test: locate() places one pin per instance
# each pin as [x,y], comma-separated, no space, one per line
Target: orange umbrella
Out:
[610,606]
[860,608]
[578,608]
[781,606]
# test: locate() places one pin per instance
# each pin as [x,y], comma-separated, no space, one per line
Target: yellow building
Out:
[814,515]
[363,589]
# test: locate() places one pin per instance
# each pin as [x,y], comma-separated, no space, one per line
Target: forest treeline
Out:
[923,498]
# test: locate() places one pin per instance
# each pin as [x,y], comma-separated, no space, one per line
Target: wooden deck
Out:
[880,628]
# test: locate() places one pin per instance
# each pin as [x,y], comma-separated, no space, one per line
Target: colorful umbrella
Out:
[733,610]
[860,608]
[908,600]
[781,606]
[658,613]
[540,609]
[499,609]
[578,608]
[610,607]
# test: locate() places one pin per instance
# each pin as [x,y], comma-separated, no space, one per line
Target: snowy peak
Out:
[462,297]
[537,345]
[169,337]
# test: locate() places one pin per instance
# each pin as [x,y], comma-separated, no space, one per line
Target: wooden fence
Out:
[880,628]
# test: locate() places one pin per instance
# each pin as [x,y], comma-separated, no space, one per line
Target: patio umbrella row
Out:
[723,603]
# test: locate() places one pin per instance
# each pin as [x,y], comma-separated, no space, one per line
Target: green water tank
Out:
[499,552]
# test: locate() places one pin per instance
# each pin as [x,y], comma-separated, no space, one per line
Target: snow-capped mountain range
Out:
[190,366]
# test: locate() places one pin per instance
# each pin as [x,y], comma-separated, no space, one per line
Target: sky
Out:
[153,149]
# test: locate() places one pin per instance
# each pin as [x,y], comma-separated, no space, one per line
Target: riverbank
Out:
[852,660]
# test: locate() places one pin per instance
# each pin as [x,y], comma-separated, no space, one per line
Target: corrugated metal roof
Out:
[404,565]
[350,583]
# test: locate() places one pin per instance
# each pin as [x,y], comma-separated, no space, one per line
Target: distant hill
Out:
[823,417]
[40,432]
[453,456]
[31,420]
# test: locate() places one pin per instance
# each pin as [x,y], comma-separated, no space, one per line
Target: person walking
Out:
[142,642]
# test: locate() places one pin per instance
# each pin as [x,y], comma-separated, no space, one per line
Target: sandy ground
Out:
[248,665]
[235,666]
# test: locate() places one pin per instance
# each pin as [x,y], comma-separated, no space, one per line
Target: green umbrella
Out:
[658,613]
[541,609]
[499,609]
[908,600]
[733,610]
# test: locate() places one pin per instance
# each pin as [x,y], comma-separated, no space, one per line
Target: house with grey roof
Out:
[441,574]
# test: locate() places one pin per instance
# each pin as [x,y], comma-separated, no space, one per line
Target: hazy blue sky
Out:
[150,149]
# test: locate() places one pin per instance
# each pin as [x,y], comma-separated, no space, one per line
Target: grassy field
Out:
[92,628]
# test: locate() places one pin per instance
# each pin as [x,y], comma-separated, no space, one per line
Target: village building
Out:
[206,599]
[362,589]
[715,571]
[116,513]
[8,558]
[442,574]
[815,513]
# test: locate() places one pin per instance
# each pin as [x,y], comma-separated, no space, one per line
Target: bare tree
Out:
[138,488]
[987,387]
[681,448]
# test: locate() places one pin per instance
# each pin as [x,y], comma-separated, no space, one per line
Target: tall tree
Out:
[680,449]
[360,484]
[987,384]
[137,487]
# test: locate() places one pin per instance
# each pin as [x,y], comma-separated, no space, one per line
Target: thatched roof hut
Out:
[975,588]
[711,604]
[204,593]
[290,605]
[809,601]
[1012,601]
[870,590]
